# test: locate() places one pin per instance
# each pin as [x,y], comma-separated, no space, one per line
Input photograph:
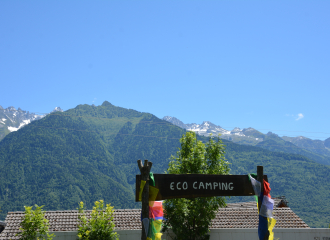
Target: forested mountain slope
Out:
[78,155]
[275,143]
[89,153]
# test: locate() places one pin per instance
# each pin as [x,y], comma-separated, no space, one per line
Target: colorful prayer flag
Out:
[158,225]
[151,179]
[154,229]
[266,222]
[156,211]
[271,224]
[266,189]
[158,236]
[266,209]
[141,189]
[263,227]
[256,186]
[146,225]
[152,194]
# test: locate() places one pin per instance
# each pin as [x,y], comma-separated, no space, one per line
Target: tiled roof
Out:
[125,219]
[235,215]
[248,218]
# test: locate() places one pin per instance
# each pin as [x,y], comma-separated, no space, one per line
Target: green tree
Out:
[191,218]
[100,225]
[34,225]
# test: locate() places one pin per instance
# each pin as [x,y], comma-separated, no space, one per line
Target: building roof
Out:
[235,215]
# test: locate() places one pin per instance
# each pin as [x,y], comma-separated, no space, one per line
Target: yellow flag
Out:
[152,194]
[158,225]
[141,189]
[158,236]
[271,224]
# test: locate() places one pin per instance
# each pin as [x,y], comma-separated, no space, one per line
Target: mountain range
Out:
[314,149]
[12,119]
[89,153]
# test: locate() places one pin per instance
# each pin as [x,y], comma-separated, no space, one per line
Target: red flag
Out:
[266,189]
[156,211]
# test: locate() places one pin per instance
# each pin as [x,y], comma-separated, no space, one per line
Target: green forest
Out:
[90,153]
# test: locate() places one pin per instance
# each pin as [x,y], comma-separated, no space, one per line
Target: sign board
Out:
[199,185]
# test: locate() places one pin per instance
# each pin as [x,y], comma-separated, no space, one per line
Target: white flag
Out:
[256,186]
[266,209]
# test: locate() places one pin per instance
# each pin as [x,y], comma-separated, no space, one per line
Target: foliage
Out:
[191,218]
[100,225]
[34,225]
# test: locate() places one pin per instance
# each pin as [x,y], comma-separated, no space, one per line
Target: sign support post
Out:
[145,170]
[260,178]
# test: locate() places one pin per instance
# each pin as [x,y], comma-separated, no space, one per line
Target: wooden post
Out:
[145,170]
[260,178]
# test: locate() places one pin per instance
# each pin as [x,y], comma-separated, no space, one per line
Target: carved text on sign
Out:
[199,185]
[202,185]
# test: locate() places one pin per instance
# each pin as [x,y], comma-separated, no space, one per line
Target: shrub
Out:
[99,226]
[34,225]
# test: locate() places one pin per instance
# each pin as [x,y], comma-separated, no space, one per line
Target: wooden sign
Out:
[199,185]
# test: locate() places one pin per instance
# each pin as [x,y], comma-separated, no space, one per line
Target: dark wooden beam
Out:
[145,170]
[260,178]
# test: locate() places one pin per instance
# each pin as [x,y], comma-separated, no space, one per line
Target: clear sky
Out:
[260,64]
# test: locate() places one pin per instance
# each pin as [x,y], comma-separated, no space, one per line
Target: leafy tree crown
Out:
[100,225]
[191,218]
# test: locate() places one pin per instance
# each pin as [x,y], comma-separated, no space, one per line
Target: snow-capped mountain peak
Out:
[11,108]
[237,131]
[57,109]
[13,119]
[174,121]
[206,128]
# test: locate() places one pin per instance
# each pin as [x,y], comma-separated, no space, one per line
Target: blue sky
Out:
[260,64]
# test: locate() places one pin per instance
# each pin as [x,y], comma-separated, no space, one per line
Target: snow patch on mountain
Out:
[57,109]
[205,129]
[12,129]
[14,119]
[237,131]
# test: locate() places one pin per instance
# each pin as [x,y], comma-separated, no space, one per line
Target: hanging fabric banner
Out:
[158,225]
[158,236]
[153,192]
[141,189]
[151,179]
[256,186]
[263,227]
[266,209]
[152,230]
[266,189]
[146,225]
[266,220]
[156,211]
[271,224]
